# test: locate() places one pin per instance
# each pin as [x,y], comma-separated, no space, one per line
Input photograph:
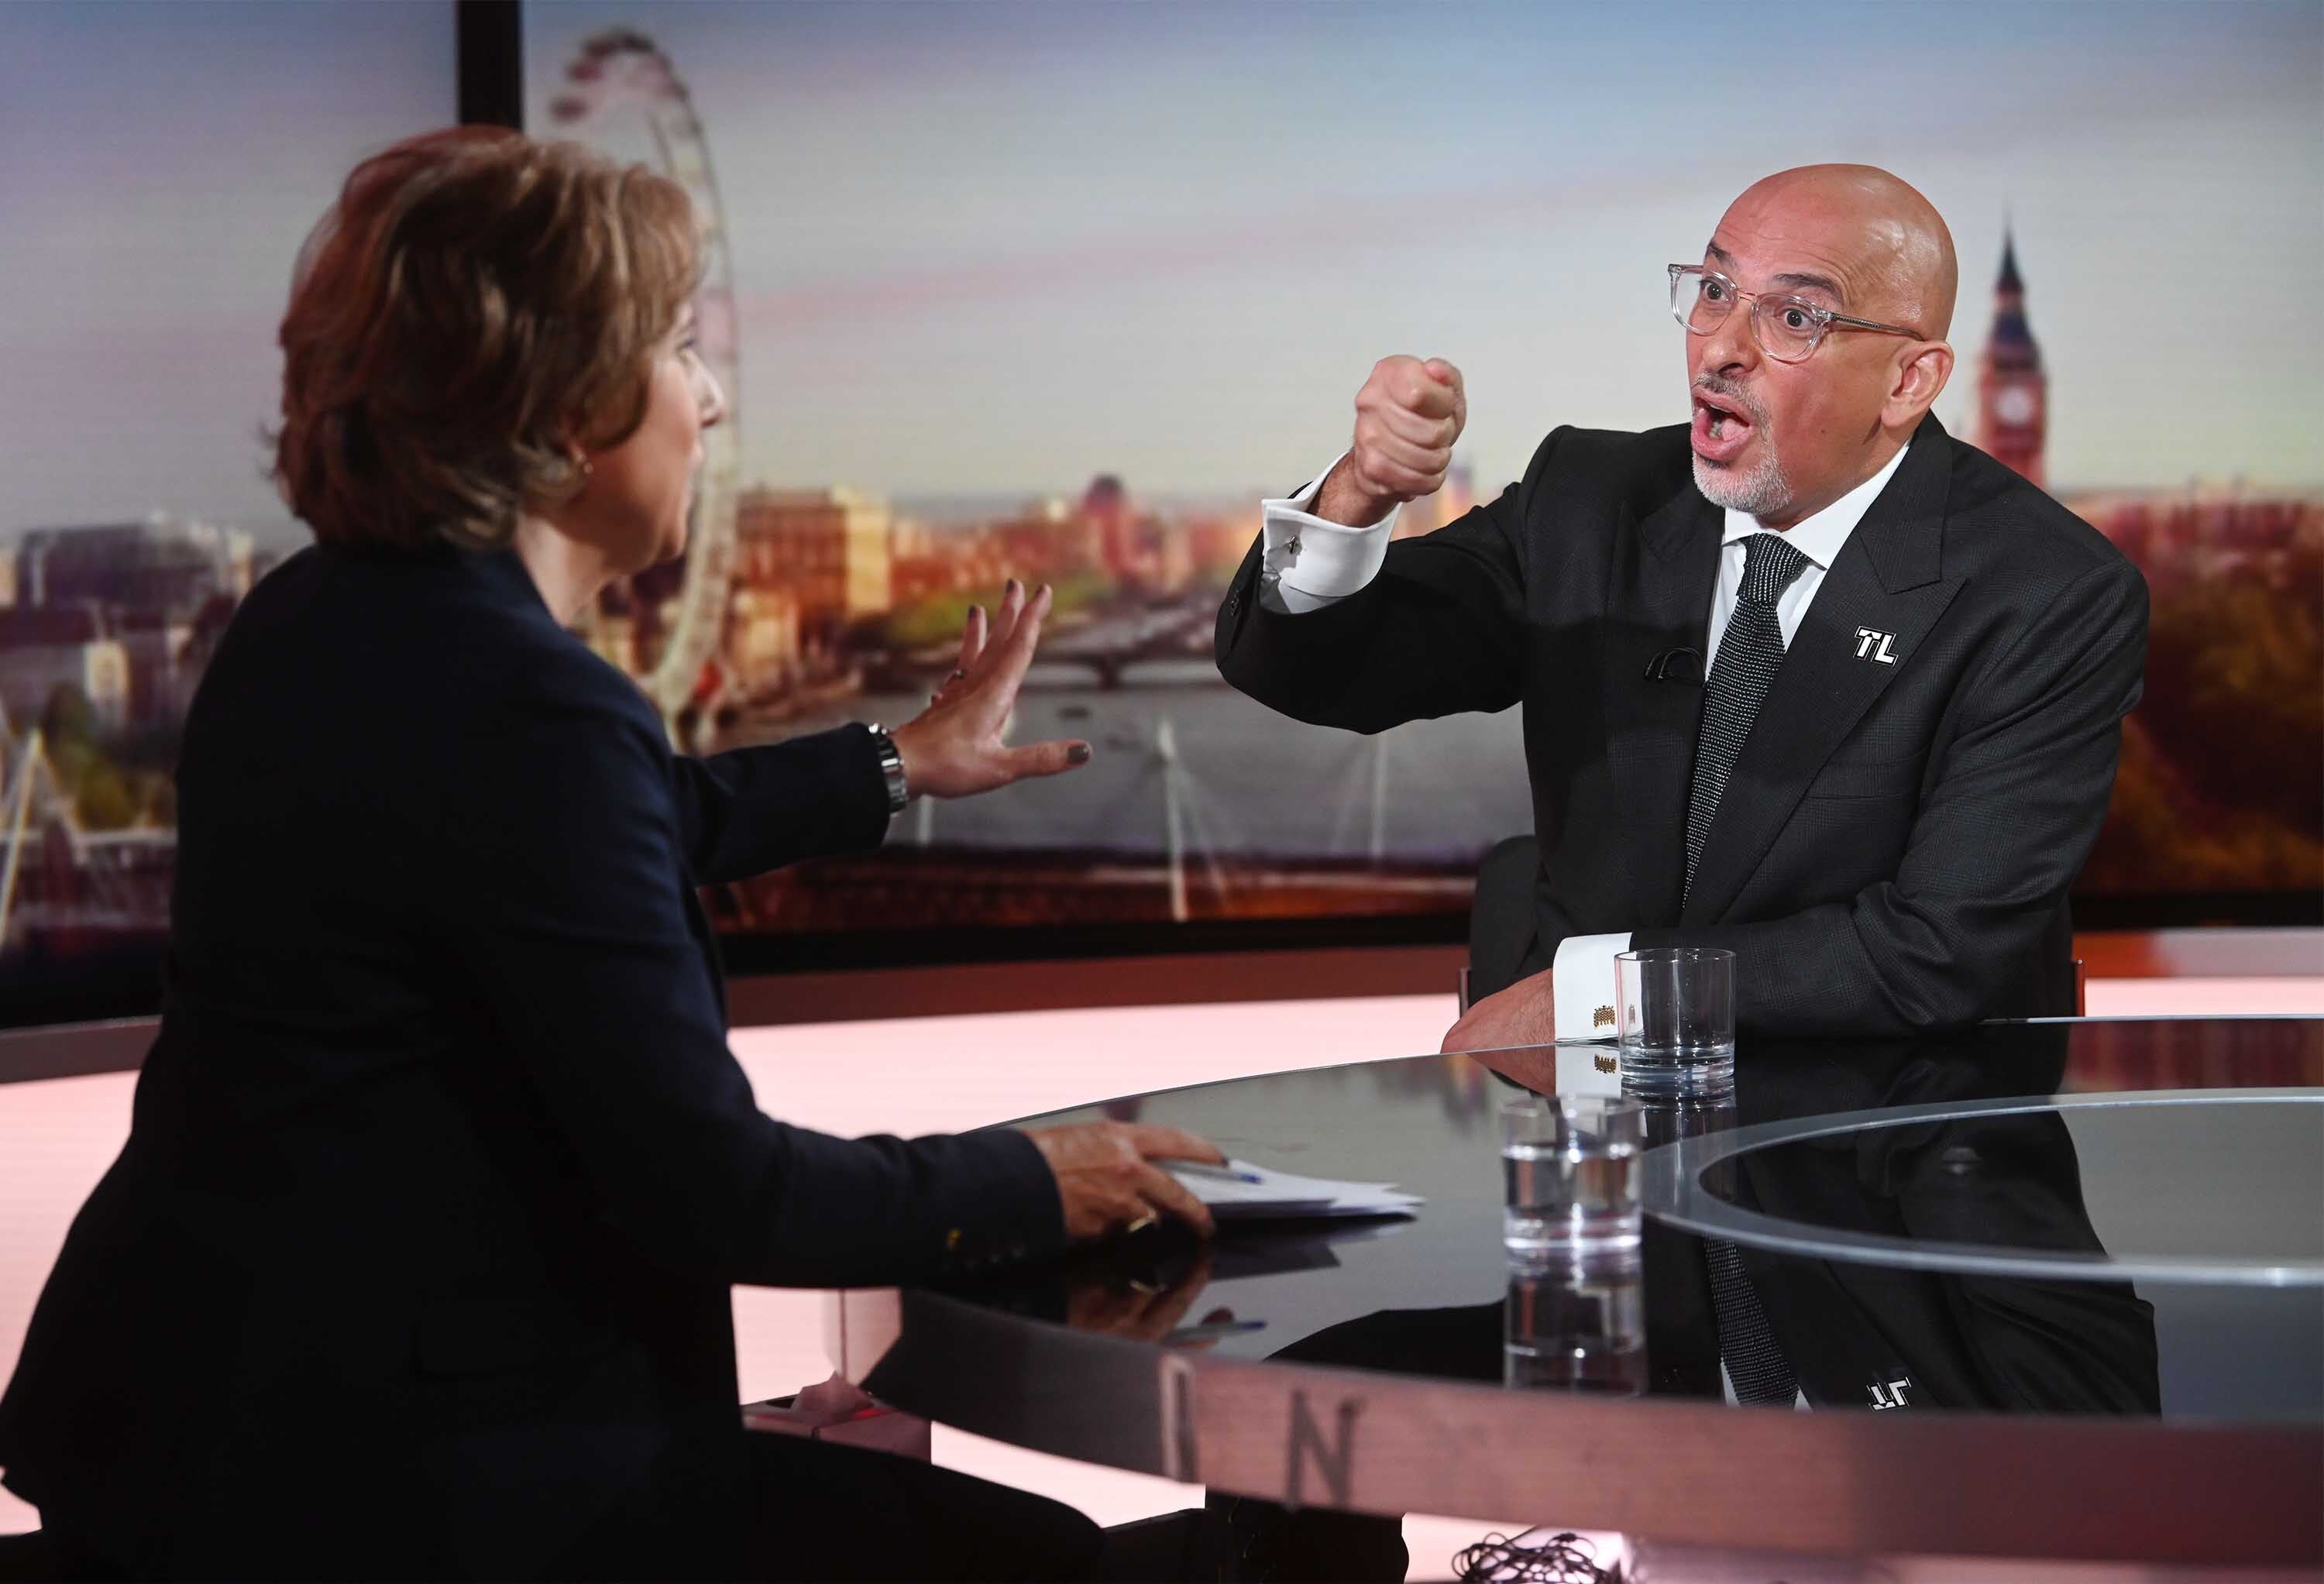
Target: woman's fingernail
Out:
[1078,754]
[1011,587]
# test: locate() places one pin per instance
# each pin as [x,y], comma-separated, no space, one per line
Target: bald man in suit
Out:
[1805,678]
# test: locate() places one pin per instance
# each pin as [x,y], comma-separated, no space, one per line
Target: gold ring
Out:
[1144,1221]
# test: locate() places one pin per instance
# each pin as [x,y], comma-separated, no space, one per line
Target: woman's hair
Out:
[474,307]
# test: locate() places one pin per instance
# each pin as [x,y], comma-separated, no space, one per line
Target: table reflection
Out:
[1576,1328]
[1857,1337]
[1433,1298]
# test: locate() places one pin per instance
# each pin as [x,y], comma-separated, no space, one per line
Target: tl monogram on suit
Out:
[1893,839]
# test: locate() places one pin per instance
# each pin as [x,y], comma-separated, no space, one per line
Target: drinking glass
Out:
[1570,1177]
[1674,1017]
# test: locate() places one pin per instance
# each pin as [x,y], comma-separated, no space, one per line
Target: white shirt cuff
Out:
[1582,985]
[1314,562]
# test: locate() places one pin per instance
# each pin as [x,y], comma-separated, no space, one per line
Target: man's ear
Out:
[1921,376]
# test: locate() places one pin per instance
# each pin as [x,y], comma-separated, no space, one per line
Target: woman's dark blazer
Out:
[417,1258]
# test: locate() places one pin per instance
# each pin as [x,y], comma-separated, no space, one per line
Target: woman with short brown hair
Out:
[418,1259]
[432,383]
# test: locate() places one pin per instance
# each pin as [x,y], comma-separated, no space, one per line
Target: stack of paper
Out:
[1239,1191]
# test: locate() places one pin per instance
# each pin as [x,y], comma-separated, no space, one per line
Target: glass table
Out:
[2011,1269]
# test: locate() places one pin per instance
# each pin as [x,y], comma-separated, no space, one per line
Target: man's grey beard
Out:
[1763,492]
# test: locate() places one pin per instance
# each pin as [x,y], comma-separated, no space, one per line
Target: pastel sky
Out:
[1004,246]
[160,165]
[1001,247]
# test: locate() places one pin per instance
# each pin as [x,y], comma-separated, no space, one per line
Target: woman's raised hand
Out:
[954,748]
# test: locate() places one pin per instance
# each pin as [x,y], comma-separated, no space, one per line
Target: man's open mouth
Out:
[1721,427]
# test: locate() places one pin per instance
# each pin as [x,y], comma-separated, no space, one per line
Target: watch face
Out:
[2015,405]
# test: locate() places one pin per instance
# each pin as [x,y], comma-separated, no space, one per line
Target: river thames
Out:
[1251,784]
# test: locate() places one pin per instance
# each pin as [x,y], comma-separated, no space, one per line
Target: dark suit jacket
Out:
[418,1258]
[1895,846]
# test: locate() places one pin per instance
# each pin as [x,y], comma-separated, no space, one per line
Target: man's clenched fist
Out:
[1407,416]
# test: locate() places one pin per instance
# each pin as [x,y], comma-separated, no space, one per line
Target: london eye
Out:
[621,94]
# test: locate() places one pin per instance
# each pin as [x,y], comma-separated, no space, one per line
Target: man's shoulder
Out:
[1999,524]
[1635,469]
[1651,457]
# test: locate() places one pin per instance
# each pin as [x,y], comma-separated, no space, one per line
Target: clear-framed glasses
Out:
[1787,329]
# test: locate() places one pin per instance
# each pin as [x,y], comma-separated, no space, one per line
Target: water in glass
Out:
[1579,1195]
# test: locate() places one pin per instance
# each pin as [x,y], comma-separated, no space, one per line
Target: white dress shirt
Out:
[1309,563]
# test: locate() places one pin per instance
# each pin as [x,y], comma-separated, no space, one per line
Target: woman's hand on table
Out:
[1107,1181]
[954,748]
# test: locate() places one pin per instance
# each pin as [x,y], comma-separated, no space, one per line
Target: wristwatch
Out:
[891,767]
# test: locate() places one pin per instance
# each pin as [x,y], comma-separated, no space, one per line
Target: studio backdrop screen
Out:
[160,165]
[1060,292]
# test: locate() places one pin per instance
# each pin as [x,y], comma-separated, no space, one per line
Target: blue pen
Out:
[1215,1329]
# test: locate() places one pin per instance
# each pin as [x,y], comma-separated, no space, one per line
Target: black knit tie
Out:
[1754,1359]
[1749,654]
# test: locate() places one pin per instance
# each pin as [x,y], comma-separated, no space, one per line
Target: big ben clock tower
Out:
[2011,391]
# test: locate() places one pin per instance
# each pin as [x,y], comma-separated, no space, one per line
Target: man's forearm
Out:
[1344,499]
[1876,964]
[1309,561]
